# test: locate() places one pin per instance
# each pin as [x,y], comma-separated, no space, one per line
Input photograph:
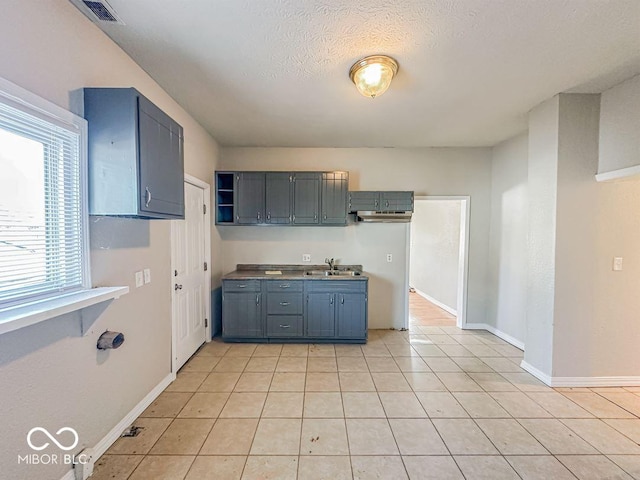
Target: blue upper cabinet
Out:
[136,156]
[335,188]
[282,198]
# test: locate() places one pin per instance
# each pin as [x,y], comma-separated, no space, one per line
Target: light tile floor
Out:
[433,403]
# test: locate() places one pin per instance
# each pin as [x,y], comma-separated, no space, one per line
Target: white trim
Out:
[622,381]
[407,261]
[498,333]
[463,262]
[207,256]
[539,374]
[70,475]
[31,313]
[444,307]
[103,445]
[618,174]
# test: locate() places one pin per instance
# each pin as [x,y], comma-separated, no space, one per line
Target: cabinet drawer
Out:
[284,286]
[284,326]
[337,286]
[284,303]
[241,285]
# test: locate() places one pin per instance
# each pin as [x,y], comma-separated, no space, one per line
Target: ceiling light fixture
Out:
[372,75]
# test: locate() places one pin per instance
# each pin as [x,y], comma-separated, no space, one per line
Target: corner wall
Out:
[508,264]
[51,376]
[426,171]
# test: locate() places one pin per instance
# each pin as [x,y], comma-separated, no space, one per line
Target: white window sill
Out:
[36,312]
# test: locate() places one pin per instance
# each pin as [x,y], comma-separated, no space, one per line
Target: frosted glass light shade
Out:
[372,75]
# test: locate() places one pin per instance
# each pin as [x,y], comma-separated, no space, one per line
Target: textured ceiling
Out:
[275,72]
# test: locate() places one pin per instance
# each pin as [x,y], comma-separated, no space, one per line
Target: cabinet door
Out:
[242,315]
[352,315]
[278,198]
[367,201]
[306,198]
[396,201]
[250,198]
[161,162]
[321,315]
[335,188]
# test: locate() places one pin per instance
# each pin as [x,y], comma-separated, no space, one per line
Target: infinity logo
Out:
[60,446]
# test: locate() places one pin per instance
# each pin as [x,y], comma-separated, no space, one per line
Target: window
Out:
[43,237]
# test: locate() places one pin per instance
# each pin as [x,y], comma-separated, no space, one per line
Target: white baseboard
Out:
[498,333]
[581,381]
[446,308]
[116,431]
[70,475]
[543,377]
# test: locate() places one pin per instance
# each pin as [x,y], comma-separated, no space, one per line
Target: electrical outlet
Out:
[617,264]
[139,279]
[389,257]
[306,257]
[147,275]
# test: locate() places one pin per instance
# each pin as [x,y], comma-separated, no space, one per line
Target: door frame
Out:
[207,257]
[463,263]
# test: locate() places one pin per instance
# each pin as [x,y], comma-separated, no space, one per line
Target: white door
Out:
[189,276]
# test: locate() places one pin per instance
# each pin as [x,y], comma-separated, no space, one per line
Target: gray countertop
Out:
[292,272]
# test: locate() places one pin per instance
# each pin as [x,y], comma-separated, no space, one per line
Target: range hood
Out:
[402,216]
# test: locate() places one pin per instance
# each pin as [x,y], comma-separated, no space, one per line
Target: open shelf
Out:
[225,201]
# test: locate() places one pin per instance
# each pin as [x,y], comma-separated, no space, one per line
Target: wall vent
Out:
[98,11]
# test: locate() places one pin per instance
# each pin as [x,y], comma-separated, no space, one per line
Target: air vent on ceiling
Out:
[98,11]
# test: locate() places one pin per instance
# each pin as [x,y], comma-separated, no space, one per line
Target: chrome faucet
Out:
[331,263]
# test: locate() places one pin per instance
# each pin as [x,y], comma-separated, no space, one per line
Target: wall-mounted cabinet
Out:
[136,157]
[281,198]
[380,201]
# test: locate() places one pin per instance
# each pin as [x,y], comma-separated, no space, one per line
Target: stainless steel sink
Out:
[332,273]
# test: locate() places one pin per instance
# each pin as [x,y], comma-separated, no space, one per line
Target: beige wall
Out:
[435,249]
[596,328]
[507,301]
[51,376]
[581,315]
[427,171]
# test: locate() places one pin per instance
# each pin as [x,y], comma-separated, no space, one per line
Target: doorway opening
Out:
[438,261]
[190,274]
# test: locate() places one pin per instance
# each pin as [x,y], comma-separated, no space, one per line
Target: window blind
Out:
[41,215]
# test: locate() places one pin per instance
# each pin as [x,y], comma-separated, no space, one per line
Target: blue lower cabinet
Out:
[321,315]
[297,311]
[242,315]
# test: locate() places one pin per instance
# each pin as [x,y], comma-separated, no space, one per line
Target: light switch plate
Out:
[617,264]
[147,275]
[306,257]
[139,279]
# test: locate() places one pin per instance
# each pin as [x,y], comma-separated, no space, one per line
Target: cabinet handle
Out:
[285,304]
[258,215]
[258,299]
[325,216]
[147,197]
[242,285]
[386,204]
[268,216]
[315,216]
[177,287]
[342,300]
[284,285]
[331,302]
[285,326]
